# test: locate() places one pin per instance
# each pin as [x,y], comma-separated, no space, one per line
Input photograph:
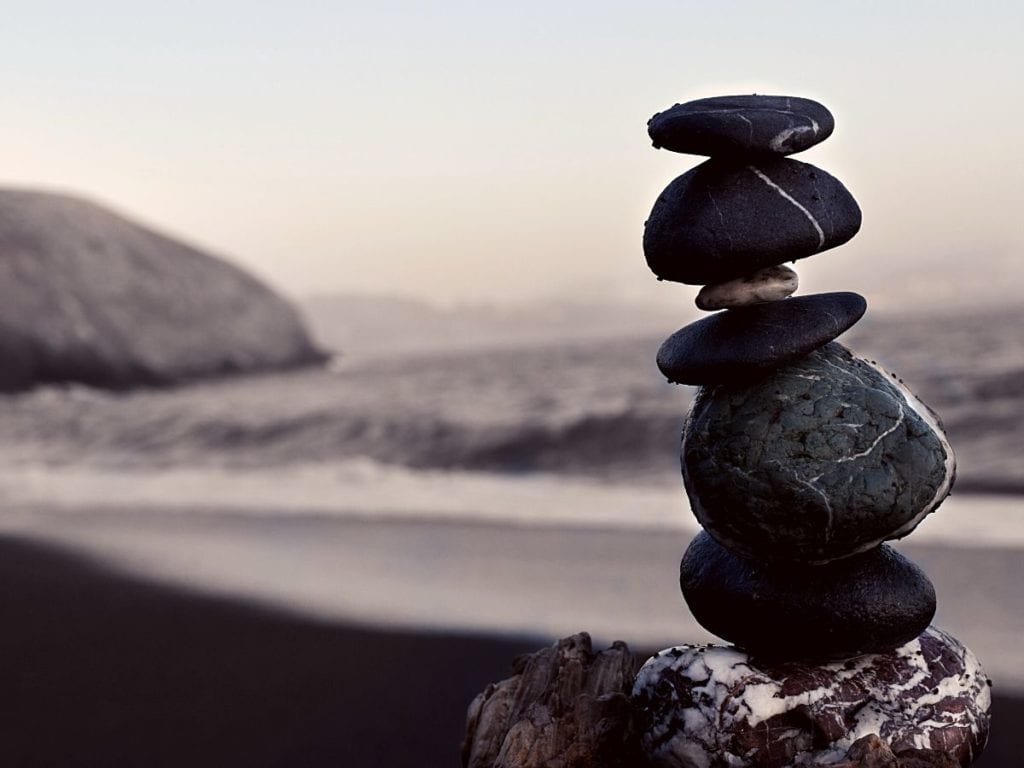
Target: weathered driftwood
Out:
[564,707]
[568,707]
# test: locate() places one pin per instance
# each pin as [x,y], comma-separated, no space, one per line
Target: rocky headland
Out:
[88,296]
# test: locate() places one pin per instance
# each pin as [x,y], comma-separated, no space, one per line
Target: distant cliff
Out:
[88,296]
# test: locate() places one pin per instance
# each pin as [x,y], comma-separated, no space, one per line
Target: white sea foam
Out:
[364,488]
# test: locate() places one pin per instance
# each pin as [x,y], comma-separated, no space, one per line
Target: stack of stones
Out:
[799,460]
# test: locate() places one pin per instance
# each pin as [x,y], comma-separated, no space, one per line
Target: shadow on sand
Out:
[97,668]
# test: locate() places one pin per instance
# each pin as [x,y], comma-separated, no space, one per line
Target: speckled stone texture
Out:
[741,126]
[823,458]
[768,284]
[747,342]
[725,219]
[715,707]
[868,603]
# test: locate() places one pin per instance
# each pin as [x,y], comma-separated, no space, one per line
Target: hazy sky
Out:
[467,151]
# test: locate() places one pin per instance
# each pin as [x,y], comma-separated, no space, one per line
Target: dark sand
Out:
[100,669]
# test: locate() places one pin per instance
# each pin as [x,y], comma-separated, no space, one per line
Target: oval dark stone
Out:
[725,219]
[743,343]
[869,603]
[822,458]
[724,126]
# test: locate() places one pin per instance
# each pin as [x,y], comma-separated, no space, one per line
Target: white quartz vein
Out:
[785,195]
[899,421]
[750,127]
[721,218]
[929,418]
[779,141]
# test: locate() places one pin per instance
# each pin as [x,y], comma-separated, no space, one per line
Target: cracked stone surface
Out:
[742,126]
[727,218]
[716,707]
[868,603]
[823,458]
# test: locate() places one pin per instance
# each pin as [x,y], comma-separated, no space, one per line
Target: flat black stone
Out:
[746,342]
[725,219]
[823,458]
[870,603]
[730,126]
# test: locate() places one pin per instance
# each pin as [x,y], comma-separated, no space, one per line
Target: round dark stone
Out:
[822,458]
[725,219]
[731,126]
[869,603]
[743,343]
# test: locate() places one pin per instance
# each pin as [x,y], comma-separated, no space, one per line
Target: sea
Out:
[561,432]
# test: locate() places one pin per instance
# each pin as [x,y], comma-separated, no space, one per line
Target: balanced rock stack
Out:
[799,460]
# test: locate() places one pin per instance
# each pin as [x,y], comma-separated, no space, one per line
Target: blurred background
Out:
[340,309]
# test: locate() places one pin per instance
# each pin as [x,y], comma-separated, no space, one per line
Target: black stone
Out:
[725,219]
[823,458]
[746,342]
[729,126]
[870,603]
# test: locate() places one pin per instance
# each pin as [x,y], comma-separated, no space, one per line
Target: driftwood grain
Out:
[564,707]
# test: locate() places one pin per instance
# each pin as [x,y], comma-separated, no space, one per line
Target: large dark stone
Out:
[88,296]
[718,707]
[868,603]
[725,126]
[725,219]
[746,342]
[824,457]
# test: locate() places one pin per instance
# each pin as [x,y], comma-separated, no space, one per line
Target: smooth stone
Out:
[741,344]
[716,707]
[869,603]
[725,126]
[726,219]
[768,284]
[90,297]
[825,457]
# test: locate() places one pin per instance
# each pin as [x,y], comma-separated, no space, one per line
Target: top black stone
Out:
[742,126]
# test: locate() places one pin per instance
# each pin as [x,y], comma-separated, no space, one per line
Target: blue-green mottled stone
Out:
[823,458]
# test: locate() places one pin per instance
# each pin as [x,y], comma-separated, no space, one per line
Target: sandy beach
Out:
[104,666]
[310,638]
[485,577]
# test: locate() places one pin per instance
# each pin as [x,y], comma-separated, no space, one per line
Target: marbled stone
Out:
[716,707]
[725,219]
[768,284]
[746,343]
[871,752]
[825,457]
[867,603]
[744,126]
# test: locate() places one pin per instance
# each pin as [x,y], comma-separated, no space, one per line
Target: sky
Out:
[471,151]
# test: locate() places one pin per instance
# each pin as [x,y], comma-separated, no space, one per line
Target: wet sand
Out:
[618,584]
[104,669]
[221,639]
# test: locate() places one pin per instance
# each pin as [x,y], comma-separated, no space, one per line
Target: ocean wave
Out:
[590,443]
[597,409]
